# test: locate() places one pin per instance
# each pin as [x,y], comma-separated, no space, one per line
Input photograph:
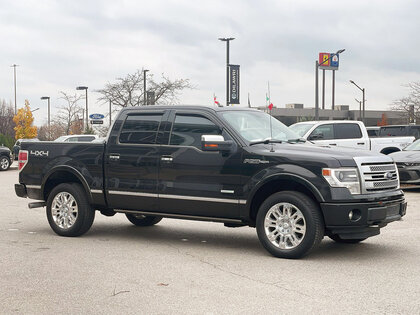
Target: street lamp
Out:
[80,88]
[144,88]
[14,82]
[363,98]
[49,115]
[227,40]
[317,64]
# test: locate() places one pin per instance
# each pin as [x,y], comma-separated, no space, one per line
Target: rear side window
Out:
[85,139]
[188,129]
[140,129]
[347,131]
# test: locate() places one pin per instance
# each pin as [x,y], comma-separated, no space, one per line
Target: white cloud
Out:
[60,45]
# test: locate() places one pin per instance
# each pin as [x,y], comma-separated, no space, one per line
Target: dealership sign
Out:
[96,116]
[328,61]
[234,84]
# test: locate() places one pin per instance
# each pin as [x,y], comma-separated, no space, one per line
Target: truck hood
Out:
[406,156]
[331,156]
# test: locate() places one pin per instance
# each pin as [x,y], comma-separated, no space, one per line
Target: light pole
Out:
[14,83]
[363,98]
[227,40]
[80,88]
[360,108]
[110,120]
[144,88]
[49,113]
[34,110]
[317,64]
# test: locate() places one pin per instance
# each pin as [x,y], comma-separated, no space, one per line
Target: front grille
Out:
[379,177]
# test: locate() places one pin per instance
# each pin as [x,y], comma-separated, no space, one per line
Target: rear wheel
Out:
[4,163]
[68,210]
[338,239]
[289,224]
[143,220]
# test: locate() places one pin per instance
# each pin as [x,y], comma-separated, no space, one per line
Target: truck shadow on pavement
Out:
[242,241]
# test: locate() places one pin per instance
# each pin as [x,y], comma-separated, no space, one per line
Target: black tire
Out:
[338,239]
[85,213]
[143,220]
[312,220]
[4,163]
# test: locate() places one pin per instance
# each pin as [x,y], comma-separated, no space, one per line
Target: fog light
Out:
[354,215]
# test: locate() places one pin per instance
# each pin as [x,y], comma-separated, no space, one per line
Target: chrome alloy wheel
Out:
[4,163]
[284,225]
[64,210]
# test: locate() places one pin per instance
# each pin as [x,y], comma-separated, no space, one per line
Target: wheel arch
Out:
[63,174]
[282,182]
[389,150]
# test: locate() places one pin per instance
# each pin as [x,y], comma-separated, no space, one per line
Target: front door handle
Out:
[333,144]
[166,158]
[361,143]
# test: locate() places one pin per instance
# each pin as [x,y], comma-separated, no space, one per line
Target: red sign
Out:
[324,60]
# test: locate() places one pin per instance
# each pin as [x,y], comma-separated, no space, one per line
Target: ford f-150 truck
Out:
[237,166]
[350,134]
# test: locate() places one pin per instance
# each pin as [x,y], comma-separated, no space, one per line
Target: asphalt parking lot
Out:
[197,267]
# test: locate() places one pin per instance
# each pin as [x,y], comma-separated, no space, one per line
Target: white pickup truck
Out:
[348,133]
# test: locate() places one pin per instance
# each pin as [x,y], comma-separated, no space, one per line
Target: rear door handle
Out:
[360,143]
[114,157]
[333,144]
[166,158]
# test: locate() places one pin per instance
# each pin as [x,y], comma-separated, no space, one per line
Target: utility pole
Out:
[14,77]
[227,40]
[333,90]
[144,88]
[49,115]
[323,88]
[87,111]
[316,91]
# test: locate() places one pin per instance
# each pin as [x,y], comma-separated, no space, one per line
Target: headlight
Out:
[343,177]
[411,164]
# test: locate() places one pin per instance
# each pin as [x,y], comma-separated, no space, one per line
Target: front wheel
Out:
[68,210]
[289,224]
[4,163]
[143,220]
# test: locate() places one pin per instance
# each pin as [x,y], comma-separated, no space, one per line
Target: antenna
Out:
[271,126]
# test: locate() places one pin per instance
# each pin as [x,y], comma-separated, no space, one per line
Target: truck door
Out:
[131,161]
[196,182]
[349,135]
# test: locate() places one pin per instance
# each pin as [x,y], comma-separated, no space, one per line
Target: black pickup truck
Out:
[237,166]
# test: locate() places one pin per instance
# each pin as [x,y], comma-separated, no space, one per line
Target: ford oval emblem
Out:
[389,175]
[96,116]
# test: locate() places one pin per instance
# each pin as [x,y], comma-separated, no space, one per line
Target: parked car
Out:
[348,133]
[237,166]
[373,132]
[408,163]
[16,147]
[5,158]
[76,138]
[400,131]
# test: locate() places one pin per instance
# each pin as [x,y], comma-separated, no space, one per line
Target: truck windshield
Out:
[301,129]
[255,126]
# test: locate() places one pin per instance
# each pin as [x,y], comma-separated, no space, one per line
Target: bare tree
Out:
[409,106]
[6,118]
[129,90]
[70,114]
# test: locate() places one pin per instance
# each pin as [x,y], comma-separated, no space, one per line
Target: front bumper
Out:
[367,219]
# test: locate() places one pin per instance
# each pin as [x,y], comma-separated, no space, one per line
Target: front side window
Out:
[347,131]
[323,132]
[140,129]
[188,129]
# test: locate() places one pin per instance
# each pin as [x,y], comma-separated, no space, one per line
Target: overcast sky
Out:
[62,44]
